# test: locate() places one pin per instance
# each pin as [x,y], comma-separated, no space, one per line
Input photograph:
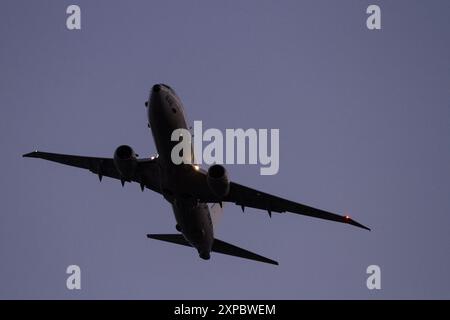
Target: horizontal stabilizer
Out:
[226,248]
[173,238]
[219,246]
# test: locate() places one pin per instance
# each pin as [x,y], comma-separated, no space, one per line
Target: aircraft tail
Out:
[219,246]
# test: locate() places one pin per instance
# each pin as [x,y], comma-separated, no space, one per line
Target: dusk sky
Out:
[364,120]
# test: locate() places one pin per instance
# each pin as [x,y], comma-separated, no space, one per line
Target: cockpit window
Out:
[171,91]
[166,86]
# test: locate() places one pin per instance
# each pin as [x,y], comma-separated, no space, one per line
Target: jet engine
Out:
[217,180]
[125,160]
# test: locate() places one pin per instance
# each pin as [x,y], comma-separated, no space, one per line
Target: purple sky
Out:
[364,121]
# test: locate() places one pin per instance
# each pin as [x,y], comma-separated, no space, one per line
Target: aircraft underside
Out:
[186,186]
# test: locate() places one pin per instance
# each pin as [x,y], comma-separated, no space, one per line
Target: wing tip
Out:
[32,154]
[275,263]
[357,224]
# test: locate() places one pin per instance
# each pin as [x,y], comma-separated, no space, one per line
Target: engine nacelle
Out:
[125,161]
[217,180]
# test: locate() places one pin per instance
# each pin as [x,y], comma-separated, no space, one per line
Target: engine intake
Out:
[217,180]
[125,160]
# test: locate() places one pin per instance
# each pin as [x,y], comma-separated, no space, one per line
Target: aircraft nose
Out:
[156,88]
[155,97]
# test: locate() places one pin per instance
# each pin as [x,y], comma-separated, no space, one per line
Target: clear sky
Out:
[364,119]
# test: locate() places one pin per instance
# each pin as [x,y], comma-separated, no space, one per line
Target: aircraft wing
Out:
[248,197]
[147,172]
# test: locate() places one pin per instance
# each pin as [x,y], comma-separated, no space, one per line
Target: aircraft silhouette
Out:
[188,188]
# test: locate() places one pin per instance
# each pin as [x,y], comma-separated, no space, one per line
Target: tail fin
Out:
[219,246]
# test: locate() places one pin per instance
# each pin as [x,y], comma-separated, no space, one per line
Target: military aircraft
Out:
[187,187]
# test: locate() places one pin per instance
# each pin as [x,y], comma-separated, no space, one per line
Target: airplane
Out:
[187,187]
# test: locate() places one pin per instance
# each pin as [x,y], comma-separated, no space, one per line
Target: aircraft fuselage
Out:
[166,114]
